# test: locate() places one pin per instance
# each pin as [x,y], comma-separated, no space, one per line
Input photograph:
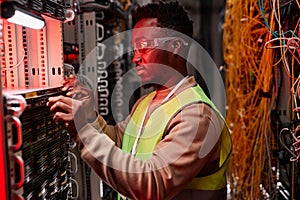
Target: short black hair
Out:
[169,15]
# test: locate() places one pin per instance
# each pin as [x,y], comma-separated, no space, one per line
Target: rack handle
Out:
[16,121]
[77,188]
[20,162]
[75,162]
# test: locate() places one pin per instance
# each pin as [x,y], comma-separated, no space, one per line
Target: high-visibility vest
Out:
[156,124]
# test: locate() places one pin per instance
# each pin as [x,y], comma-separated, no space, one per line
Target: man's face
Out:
[152,64]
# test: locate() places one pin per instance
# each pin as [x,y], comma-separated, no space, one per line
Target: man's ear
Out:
[176,45]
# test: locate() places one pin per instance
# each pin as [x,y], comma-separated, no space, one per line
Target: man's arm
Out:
[179,157]
[114,132]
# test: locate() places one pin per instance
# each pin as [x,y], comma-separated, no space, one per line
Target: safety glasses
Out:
[144,45]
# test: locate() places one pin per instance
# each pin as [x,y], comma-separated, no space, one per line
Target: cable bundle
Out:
[260,41]
[249,74]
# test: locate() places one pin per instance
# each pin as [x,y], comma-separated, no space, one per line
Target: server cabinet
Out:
[39,157]
[3,156]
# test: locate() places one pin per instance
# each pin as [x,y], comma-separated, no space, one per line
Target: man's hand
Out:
[78,91]
[69,111]
[68,84]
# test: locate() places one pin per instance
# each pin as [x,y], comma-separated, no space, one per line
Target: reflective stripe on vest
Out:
[156,124]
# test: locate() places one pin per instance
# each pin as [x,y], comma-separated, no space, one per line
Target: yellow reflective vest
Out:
[154,128]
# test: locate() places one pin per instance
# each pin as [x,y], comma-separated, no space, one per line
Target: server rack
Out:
[39,159]
[3,166]
[38,162]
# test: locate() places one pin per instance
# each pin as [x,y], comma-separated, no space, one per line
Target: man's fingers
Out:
[68,82]
[60,104]
[80,93]
[67,87]
[70,93]
[61,107]
[72,77]
[64,117]
[77,93]
[60,98]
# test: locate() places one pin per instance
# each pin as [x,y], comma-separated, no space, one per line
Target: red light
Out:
[72,57]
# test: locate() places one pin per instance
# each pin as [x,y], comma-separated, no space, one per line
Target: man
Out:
[174,144]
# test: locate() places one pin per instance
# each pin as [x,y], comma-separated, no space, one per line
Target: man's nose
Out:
[136,58]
